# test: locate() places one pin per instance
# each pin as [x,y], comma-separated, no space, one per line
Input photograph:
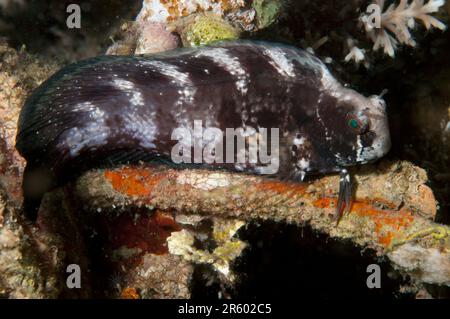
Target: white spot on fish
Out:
[177,77]
[230,63]
[280,61]
[169,70]
[299,141]
[83,107]
[359,149]
[303,164]
[319,118]
[142,129]
[130,89]
[137,99]
[92,135]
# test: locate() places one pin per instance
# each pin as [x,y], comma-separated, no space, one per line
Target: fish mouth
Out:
[366,154]
[379,148]
[379,127]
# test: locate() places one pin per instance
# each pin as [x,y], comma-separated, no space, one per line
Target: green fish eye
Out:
[358,122]
[353,123]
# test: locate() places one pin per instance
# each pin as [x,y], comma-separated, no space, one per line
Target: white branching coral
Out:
[355,54]
[387,29]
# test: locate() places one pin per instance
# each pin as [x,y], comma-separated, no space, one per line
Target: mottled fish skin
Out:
[89,112]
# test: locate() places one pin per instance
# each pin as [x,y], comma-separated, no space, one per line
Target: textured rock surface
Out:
[27,264]
[393,205]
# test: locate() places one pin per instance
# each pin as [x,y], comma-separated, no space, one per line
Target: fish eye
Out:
[358,122]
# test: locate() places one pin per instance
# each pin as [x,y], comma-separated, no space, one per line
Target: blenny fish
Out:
[115,109]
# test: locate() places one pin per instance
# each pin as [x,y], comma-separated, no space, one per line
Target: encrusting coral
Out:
[202,29]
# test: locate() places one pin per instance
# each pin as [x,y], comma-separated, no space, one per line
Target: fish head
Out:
[345,129]
[356,129]
[374,140]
